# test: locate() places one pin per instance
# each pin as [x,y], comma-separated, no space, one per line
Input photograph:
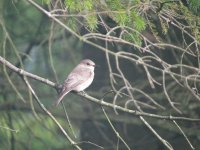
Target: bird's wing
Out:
[70,83]
[75,78]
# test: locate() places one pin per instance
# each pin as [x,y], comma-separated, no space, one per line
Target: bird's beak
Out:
[96,66]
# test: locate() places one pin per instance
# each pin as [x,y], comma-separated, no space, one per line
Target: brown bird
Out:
[79,79]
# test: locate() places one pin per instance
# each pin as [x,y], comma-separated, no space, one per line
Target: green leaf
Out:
[137,21]
[121,18]
[70,4]
[194,6]
[46,1]
[71,22]
[76,5]
[92,21]
[133,37]
[88,4]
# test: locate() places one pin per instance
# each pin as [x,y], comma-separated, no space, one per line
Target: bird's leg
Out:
[59,88]
[83,93]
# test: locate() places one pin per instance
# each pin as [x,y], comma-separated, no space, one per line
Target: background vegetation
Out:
[146,91]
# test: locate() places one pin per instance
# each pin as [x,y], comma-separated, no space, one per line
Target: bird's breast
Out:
[85,83]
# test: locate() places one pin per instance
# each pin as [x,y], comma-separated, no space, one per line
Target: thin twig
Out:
[192,147]
[68,120]
[113,128]
[7,128]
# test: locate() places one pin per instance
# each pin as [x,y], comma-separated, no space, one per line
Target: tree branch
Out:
[90,98]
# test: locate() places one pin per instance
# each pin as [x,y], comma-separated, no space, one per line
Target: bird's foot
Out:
[83,93]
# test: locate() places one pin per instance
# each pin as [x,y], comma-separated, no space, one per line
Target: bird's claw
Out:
[83,93]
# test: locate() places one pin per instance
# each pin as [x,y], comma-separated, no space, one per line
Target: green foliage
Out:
[138,21]
[92,21]
[164,26]
[125,16]
[195,6]
[190,17]
[38,136]
[77,5]
[72,23]
[121,18]
[132,20]
[46,1]
[115,4]
[118,11]
[133,37]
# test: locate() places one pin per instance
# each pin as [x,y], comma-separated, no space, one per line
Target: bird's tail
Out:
[62,95]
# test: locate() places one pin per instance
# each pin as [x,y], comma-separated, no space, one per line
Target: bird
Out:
[79,79]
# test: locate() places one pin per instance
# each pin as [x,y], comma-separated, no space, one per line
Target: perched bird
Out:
[79,79]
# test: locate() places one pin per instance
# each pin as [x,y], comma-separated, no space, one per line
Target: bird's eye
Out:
[88,64]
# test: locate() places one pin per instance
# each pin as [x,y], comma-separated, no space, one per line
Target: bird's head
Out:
[88,63]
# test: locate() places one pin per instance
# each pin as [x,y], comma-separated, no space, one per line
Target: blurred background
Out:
[146,50]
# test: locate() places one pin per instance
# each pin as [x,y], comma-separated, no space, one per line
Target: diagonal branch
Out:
[22,72]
